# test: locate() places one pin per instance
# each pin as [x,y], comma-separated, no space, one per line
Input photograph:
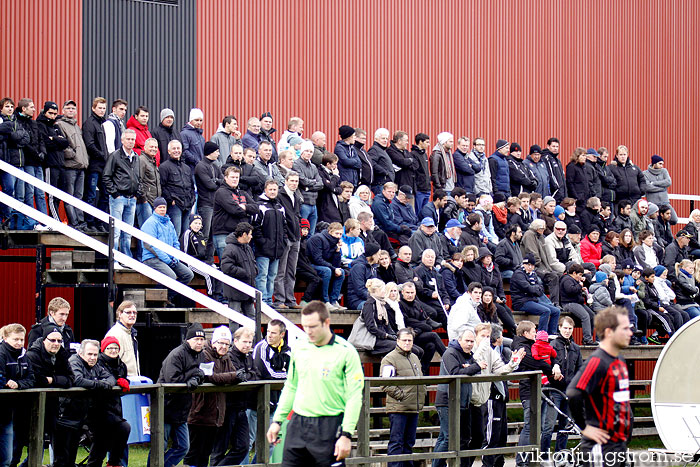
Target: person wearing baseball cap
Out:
[54,143]
[402,207]
[423,239]
[675,252]
[527,293]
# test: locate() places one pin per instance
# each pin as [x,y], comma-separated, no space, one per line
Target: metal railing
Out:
[161,278]
[361,456]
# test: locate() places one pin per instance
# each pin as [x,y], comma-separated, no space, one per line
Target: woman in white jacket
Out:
[667,296]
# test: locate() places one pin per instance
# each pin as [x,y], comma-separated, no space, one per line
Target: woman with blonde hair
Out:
[361,201]
[392,298]
[379,318]
[686,288]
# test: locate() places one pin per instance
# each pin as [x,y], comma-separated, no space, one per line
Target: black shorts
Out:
[310,441]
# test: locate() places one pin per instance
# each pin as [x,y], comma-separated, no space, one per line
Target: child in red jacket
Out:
[542,350]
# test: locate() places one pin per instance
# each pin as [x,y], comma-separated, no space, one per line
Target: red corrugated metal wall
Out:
[42,53]
[593,72]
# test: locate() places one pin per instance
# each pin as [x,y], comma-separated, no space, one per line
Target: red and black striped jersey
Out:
[605,381]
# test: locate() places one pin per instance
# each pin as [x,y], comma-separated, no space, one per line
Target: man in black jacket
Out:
[49,362]
[550,155]
[94,138]
[34,153]
[383,167]
[165,132]
[56,316]
[458,359]
[270,239]
[676,251]
[569,360]
[232,205]
[16,373]
[526,332]
[121,182]
[182,365]
[73,412]
[54,142]
[324,254]
[367,170]
[509,257]
[402,158]
[208,178]
[178,187]
[291,200]
[238,261]
[234,433]
[418,152]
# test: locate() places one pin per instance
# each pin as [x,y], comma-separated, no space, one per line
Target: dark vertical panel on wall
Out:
[143,52]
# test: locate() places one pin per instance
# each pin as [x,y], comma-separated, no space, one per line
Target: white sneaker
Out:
[337,306]
[42,228]
[119,267]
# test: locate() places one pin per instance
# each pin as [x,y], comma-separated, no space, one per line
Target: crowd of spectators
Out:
[418,236]
[201,426]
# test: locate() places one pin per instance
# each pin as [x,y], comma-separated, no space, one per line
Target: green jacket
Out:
[323,381]
[402,399]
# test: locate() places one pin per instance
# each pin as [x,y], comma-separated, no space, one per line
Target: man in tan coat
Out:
[125,333]
[404,403]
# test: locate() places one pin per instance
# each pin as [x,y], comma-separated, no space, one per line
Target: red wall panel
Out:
[593,72]
[42,53]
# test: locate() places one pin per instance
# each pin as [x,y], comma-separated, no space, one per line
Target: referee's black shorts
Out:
[310,441]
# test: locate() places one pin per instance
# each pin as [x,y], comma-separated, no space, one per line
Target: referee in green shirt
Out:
[324,389]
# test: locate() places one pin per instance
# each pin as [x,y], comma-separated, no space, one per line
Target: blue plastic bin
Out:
[136,409]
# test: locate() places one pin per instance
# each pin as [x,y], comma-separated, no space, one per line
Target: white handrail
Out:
[294,331]
[684,197]
[127,261]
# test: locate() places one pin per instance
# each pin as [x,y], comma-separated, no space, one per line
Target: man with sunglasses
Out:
[48,359]
[126,334]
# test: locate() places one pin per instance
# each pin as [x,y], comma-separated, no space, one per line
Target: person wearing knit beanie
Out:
[165,113]
[222,333]
[194,331]
[196,114]
[656,159]
[107,341]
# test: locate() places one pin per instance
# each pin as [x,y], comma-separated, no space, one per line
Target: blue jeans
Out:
[693,311]
[33,194]
[124,209]
[177,271]
[331,284]
[402,435]
[143,212]
[548,313]
[506,274]
[265,280]
[95,196]
[6,437]
[220,245]
[422,198]
[73,184]
[525,433]
[310,213]
[181,444]
[8,187]
[443,439]
[552,417]
[180,219]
